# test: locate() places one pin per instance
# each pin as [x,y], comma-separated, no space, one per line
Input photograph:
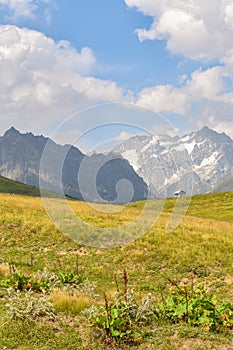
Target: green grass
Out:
[11,186]
[202,244]
[215,206]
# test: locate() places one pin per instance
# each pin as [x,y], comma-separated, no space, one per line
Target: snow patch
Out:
[179,148]
[154,141]
[132,157]
[210,161]
[171,180]
[190,147]
[207,165]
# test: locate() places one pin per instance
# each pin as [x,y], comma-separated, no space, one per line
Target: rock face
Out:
[104,177]
[196,163]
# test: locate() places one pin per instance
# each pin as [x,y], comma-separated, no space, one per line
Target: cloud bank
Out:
[42,79]
[196,29]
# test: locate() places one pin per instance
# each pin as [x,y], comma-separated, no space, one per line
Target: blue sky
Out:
[172,57]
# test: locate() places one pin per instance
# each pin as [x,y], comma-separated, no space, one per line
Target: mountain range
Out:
[142,165]
[21,158]
[196,163]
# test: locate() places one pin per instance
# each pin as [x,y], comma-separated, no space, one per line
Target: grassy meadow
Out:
[37,259]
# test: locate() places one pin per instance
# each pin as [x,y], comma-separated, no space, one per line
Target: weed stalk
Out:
[125,284]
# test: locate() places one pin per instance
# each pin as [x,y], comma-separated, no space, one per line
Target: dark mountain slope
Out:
[21,155]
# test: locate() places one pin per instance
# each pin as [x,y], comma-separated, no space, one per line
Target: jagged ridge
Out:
[196,163]
[20,159]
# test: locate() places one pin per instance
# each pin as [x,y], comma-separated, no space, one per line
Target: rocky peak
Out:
[11,132]
[208,134]
[204,156]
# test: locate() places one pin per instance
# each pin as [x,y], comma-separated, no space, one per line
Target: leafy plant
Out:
[42,281]
[70,277]
[121,318]
[195,306]
[17,280]
[21,282]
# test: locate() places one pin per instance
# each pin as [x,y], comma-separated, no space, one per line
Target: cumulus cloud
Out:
[206,90]
[22,8]
[124,135]
[42,79]
[164,99]
[199,30]
[205,85]
[196,29]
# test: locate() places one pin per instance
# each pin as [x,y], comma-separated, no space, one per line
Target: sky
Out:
[173,57]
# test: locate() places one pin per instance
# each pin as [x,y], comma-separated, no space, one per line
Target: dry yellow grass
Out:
[69,304]
[4,270]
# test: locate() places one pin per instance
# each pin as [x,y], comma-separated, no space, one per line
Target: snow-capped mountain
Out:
[195,163]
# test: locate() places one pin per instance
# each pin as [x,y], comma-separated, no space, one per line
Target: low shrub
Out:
[25,306]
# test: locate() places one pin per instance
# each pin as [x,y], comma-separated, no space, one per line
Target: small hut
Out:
[180,194]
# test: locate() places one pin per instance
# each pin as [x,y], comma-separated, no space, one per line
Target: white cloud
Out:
[164,99]
[203,99]
[207,86]
[200,30]
[42,81]
[196,29]
[229,14]
[23,8]
[124,135]
[149,7]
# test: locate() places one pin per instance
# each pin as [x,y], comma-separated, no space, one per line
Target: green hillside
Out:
[11,186]
[19,188]
[164,291]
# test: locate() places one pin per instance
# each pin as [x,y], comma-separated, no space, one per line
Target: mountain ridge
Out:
[20,160]
[197,162]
